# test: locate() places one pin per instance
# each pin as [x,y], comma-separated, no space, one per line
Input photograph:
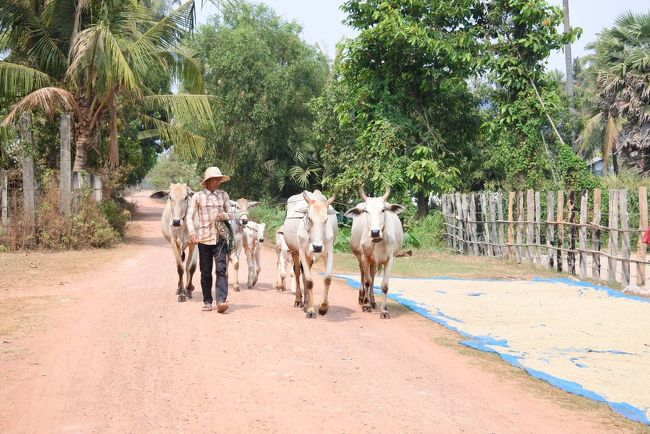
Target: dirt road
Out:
[123,356]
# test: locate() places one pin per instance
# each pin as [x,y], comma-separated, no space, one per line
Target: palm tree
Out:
[621,67]
[99,60]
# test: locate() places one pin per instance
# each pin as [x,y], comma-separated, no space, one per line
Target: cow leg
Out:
[235,261]
[250,260]
[296,274]
[180,289]
[192,256]
[371,293]
[292,275]
[327,280]
[367,284]
[361,280]
[258,263]
[282,272]
[309,286]
[384,288]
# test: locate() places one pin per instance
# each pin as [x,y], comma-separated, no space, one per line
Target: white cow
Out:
[174,229]
[284,264]
[253,237]
[310,232]
[377,235]
[241,207]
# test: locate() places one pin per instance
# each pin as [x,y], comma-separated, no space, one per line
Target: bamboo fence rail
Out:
[590,233]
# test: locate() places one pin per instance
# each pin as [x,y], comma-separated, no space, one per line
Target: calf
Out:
[253,237]
[241,207]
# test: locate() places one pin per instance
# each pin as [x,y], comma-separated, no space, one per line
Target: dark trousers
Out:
[218,255]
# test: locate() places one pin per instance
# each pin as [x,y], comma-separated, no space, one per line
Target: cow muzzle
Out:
[375,234]
[176,222]
[318,248]
[261,240]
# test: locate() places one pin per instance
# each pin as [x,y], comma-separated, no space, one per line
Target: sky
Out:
[322,21]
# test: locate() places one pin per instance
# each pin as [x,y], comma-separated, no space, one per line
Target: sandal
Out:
[222,307]
[207,307]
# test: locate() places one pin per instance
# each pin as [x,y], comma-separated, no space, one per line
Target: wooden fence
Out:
[593,234]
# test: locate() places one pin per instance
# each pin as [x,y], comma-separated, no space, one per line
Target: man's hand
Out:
[223,216]
[193,239]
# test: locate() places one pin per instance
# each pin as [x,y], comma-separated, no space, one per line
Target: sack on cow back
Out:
[646,236]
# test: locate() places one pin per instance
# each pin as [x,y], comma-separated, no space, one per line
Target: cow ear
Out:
[357,210]
[331,211]
[159,194]
[394,208]
[252,204]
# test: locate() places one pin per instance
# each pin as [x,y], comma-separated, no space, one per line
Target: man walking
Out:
[213,208]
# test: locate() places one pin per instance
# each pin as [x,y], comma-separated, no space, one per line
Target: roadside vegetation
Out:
[151,95]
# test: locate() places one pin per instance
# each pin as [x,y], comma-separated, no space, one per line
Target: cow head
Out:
[179,196]
[375,209]
[316,218]
[241,207]
[261,227]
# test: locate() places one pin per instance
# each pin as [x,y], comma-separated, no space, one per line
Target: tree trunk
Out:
[65,174]
[568,61]
[423,204]
[84,135]
[114,147]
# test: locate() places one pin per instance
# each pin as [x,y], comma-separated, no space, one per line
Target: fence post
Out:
[503,251]
[65,170]
[560,230]
[538,224]
[571,256]
[487,239]
[584,208]
[459,223]
[643,225]
[530,217]
[550,227]
[466,226]
[520,223]
[595,236]
[78,185]
[613,234]
[511,225]
[625,229]
[4,200]
[96,183]
[493,222]
[29,185]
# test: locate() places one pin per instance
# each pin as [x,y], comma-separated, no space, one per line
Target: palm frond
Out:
[183,108]
[185,67]
[47,99]
[612,132]
[186,143]
[18,79]
[589,138]
[97,50]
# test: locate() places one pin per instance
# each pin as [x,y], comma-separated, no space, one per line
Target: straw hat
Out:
[214,172]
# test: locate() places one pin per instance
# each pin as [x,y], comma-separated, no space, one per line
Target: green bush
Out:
[116,215]
[270,213]
[427,233]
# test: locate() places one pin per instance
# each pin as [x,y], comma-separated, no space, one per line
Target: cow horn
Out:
[387,193]
[362,193]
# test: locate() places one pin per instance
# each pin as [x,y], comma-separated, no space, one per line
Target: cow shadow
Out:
[339,314]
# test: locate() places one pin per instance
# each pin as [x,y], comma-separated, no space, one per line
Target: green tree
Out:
[517,38]
[263,76]
[408,106]
[620,67]
[103,61]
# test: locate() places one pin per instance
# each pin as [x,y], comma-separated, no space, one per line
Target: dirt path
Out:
[125,357]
